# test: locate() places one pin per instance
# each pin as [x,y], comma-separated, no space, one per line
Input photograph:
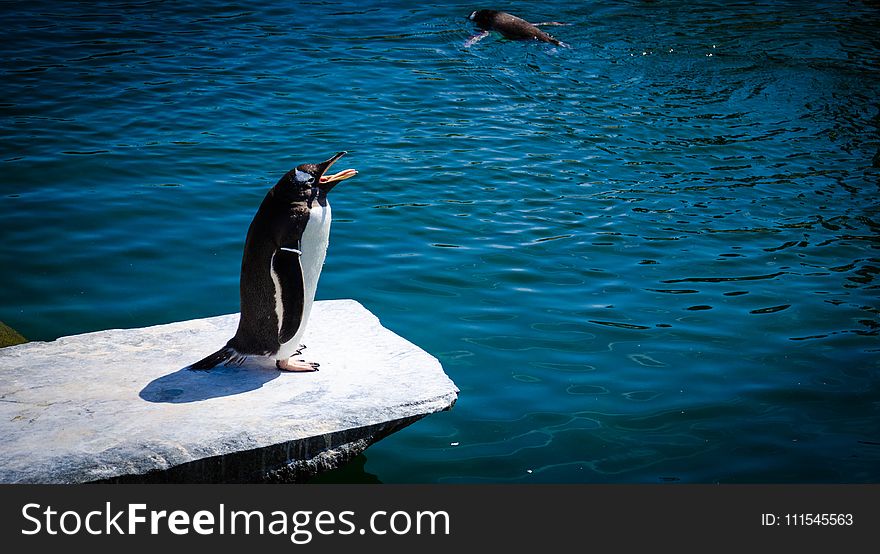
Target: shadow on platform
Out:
[186,385]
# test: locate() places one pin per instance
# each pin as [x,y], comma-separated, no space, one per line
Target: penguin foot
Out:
[296,365]
[299,350]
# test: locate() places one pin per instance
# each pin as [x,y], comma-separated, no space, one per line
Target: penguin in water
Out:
[510,26]
[283,254]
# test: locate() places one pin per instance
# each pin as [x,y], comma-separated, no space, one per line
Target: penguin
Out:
[283,254]
[510,26]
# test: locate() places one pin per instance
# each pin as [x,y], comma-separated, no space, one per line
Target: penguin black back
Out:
[278,223]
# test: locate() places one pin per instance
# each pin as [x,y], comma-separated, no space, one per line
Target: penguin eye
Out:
[305,178]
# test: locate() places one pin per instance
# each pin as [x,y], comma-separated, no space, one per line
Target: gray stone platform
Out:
[119,405]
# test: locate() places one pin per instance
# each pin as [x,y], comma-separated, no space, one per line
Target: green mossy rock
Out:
[9,336]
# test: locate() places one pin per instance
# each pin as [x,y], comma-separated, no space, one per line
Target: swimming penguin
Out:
[283,255]
[510,26]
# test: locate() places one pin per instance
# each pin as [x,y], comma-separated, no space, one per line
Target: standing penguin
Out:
[283,254]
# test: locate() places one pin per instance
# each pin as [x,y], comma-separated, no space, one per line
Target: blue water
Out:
[650,257]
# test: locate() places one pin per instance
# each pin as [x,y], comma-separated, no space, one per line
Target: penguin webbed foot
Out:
[296,365]
[299,350]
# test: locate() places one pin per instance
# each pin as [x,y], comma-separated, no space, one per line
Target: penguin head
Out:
[482,17]
[313,176]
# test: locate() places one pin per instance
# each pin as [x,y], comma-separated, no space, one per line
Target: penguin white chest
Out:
[313,245]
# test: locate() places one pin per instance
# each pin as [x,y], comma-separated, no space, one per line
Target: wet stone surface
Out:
[121,406]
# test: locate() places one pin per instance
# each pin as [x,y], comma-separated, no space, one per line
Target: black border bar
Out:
[510,518]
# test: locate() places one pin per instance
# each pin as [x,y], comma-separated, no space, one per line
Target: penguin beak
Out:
[327,182]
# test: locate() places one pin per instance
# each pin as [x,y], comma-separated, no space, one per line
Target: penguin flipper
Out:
[225,355]
[287,267]
[476,38]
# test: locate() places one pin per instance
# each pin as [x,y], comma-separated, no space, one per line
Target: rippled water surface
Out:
[648,257]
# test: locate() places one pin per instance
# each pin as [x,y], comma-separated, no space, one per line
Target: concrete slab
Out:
[119,405]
